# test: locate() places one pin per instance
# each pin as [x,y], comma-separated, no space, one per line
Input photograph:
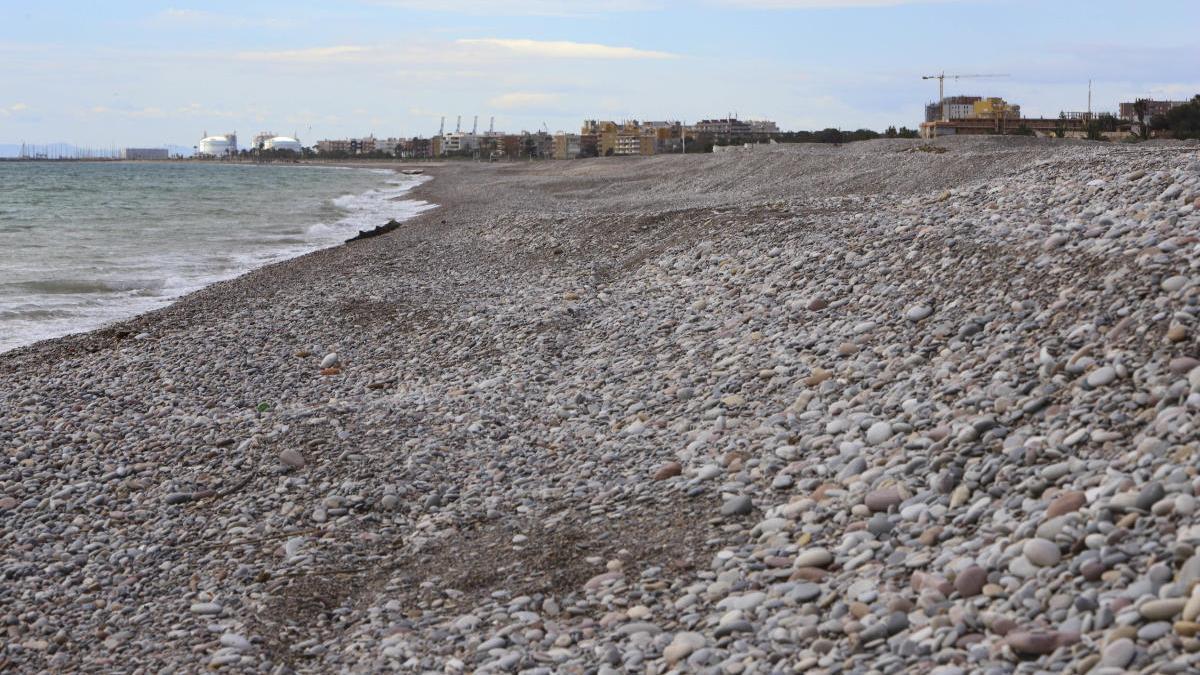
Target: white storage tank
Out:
[282,143]
[218,146]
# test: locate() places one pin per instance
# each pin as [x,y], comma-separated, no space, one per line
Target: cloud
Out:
[14,109]
[567,50]
[516,100]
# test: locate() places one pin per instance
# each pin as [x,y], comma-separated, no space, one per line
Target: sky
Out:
[144,73]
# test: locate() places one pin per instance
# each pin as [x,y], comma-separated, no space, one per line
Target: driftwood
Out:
[382,229]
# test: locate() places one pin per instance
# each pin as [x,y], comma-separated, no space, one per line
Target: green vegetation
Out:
[1184,121]
[903,132]
[831,135]
[1141,109]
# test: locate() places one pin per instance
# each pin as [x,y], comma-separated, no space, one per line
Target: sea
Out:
[84,244]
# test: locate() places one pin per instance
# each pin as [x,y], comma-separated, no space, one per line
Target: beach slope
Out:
[901,405]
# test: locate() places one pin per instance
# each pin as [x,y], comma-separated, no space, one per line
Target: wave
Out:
[36,309]
[86,286]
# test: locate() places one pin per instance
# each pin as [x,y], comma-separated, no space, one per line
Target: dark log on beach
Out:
[382,229]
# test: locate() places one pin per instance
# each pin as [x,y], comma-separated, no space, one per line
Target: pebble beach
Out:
[885,407]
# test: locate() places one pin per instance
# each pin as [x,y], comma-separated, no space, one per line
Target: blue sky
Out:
[152,73]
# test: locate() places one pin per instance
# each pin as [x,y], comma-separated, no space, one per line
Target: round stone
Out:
[668,470]
[1067,502]
[970,581]
[1102,376]
[918,313]
[814,557]
[883,498]
[1042,552]
[1174,283]
[1118,653]
[1032,643]
[1161,610]
[739,505]
[206,608]
[879,432]
[292,459]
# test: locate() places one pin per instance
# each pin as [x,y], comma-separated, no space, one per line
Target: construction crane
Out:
[941,78]
[458,125]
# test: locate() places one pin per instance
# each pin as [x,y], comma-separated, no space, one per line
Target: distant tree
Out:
[905,132]
[1184,120]
[861,135]
[890,132]
[1060,129]
[1141,110]
[830,136]
[1095,131]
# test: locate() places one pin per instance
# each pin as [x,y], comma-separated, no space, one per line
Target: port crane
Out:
[941,78]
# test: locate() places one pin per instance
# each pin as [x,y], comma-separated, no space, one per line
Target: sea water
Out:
[83,244]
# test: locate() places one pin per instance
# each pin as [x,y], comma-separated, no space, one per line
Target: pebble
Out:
[740,505]
[1118,653]
[668,470]
[879,432]
[970,581]
[1032,643]
[682,646]
[206,608]
[1161,610]
[1067,502]
[1102,376]
[1042,552]
[883,499]
[816,557]
[291,458]
[918,313]
[975,453]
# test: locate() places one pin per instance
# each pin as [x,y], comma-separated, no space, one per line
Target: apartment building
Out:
[1154,108]
[567,146]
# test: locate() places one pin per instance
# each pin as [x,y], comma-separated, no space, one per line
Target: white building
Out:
[459,142]
[145,153]
[763,127]
[218,146]
[282,143]
[387,146]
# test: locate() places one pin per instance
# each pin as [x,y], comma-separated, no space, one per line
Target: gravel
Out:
[891,406]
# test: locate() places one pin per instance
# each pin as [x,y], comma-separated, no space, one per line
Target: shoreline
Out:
[408,195]
[815,408]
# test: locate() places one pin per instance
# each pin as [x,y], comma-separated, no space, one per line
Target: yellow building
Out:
[606,135]
[992,108]
[567,146]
